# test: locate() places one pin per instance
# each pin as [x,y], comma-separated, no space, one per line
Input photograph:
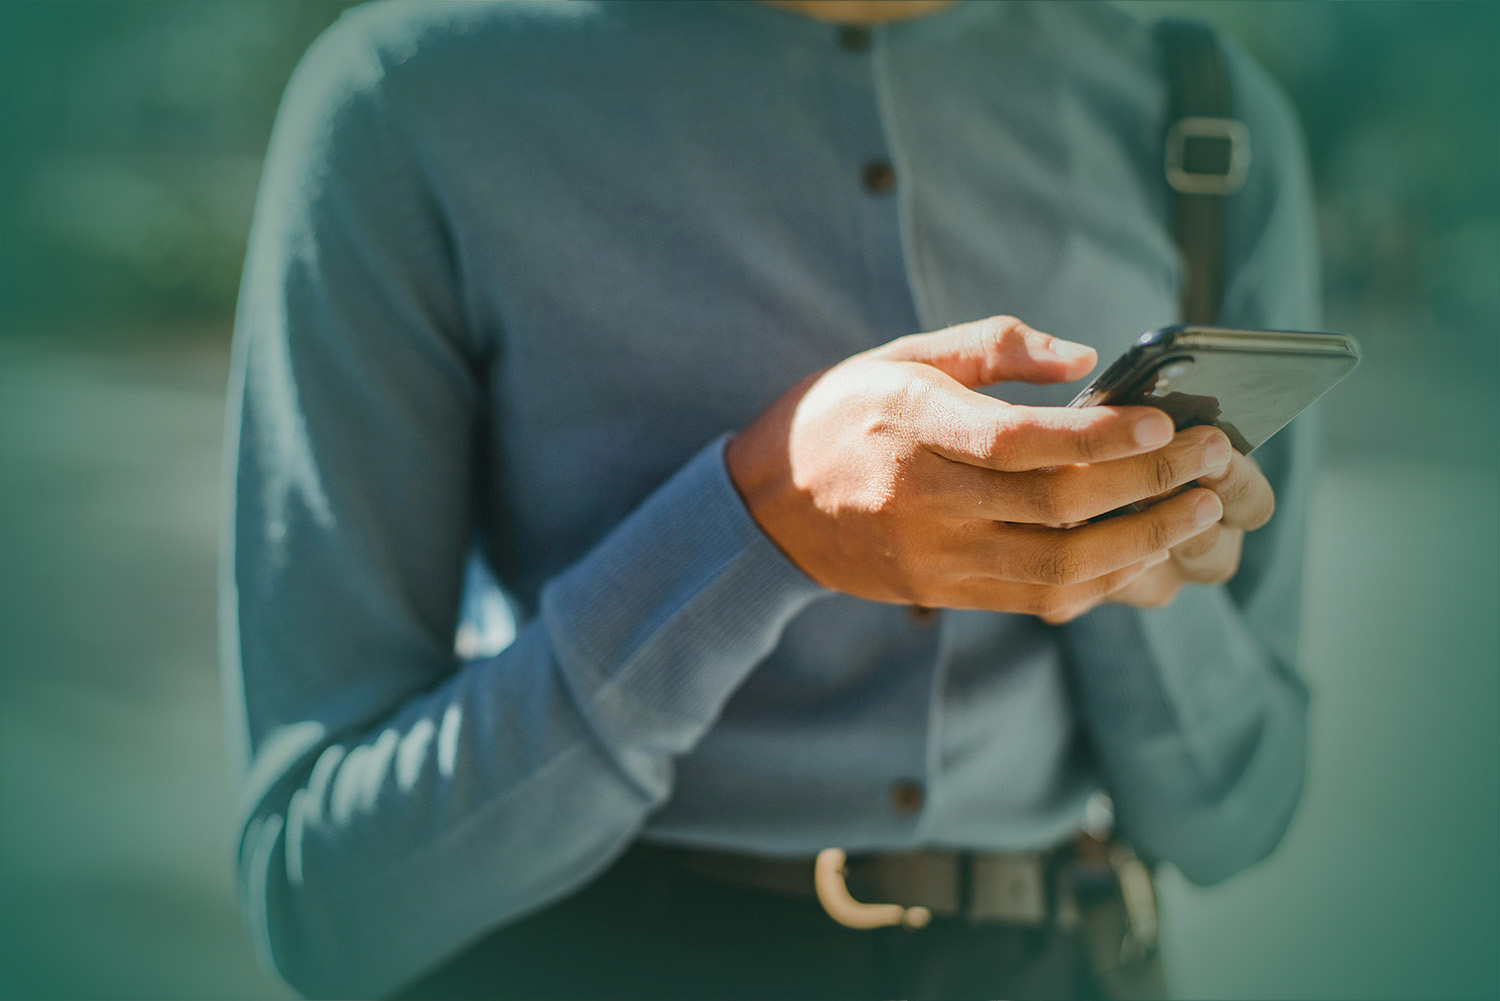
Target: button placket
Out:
[866,155]
[857,133]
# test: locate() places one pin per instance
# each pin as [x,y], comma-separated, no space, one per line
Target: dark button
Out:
[879,177]
[855,38]
[922,615]
[907,796]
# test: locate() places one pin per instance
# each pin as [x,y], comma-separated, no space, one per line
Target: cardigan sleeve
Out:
[397,802]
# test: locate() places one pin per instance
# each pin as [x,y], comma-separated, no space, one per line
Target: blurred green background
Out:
[130,143]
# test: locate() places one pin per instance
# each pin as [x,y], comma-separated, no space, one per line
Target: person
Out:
[673,324]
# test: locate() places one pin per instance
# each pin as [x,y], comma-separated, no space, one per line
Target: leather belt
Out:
[867,891]
[1079,885]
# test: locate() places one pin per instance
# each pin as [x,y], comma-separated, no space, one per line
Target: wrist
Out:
[758,461]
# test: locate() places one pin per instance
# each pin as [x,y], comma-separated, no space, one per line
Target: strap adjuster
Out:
[1189,180]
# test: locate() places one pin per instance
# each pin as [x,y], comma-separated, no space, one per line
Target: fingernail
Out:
[1209,510]
[1068,350]
[1216,452]
[1154,431]
[1156,560]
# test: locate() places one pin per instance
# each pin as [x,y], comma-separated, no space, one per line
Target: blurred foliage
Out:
[1400,103]
[135,131]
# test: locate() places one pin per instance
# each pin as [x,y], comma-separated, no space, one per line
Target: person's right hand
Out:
[886,477]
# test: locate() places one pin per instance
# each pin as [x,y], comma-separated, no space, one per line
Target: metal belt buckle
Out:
[1010,888]
[829,872]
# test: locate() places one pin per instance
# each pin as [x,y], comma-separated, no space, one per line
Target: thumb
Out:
[999,349]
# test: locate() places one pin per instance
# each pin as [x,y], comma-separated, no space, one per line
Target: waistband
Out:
[1025,889]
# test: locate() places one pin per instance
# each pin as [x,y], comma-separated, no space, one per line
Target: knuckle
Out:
[1060,563]
[1164,473]
[1238,495]
[1055,497]
[1034,494]
[1157,535]
[1248,499]
[997,444]
[1092,439]
[996,330]
[1234,490]
[1066,496]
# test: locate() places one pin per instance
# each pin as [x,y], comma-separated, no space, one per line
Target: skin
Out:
[888,477]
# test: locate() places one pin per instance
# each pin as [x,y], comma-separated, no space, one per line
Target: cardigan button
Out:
[907,797]
[879,177]
[854,38]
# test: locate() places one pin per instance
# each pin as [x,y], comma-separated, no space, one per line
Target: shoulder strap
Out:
[1206,153]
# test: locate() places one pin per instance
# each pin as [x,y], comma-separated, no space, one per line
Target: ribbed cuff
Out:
[658,625]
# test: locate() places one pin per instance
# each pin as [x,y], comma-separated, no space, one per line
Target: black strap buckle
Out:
[1202,173]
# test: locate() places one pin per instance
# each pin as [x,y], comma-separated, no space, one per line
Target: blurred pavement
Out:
[115,833]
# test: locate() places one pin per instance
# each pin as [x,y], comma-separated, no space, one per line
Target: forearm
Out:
[369,855]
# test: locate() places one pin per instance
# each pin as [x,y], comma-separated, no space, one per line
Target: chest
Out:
[646,290]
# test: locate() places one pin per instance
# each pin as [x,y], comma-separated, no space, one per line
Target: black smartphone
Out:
[1248,383]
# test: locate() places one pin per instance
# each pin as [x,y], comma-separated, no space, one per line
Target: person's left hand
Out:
[1213,555]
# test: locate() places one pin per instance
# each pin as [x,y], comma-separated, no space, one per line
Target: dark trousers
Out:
[649,930]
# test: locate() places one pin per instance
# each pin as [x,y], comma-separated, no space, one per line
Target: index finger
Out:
[1013,438]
